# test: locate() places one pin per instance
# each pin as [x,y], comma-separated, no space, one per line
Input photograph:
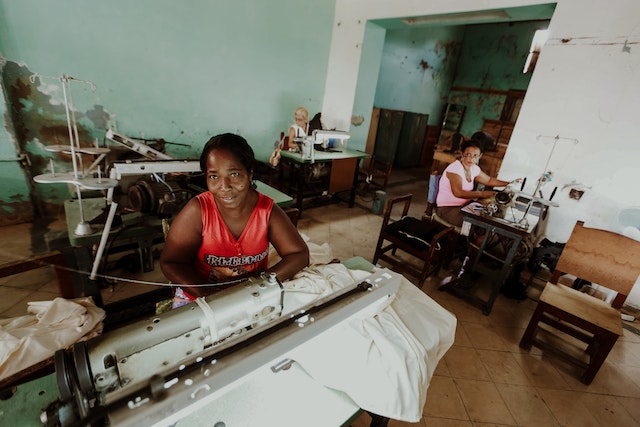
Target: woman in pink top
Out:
[456,187]
[225,233]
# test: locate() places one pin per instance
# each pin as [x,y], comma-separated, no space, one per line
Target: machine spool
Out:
[155,198]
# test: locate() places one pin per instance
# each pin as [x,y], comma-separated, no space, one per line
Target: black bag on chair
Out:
[419,233]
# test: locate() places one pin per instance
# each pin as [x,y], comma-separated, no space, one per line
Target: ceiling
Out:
[524,13]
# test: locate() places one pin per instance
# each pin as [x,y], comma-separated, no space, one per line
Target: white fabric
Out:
[385,356]
[299,131]
[318,254]
[50,326]
[315,282]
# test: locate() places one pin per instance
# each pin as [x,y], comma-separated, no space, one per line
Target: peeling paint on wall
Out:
[15,212]
[490,64]
[36,118]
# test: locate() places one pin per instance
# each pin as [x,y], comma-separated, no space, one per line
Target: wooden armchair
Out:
[602,257]
[424,240]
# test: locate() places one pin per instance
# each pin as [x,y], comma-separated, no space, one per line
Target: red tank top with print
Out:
[221,255]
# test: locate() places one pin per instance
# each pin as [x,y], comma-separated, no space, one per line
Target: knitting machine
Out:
[168,367]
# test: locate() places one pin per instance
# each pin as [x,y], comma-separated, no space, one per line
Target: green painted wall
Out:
[181,71]
[15,203]
[492,58]
[367,77]
[419,68]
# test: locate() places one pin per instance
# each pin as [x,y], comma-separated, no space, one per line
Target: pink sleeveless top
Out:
[445,195]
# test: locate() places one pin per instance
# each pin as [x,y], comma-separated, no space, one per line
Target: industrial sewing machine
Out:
[183,366]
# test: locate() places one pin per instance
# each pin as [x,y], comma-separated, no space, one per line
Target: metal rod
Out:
[556,138]
[65,81]
[103,240]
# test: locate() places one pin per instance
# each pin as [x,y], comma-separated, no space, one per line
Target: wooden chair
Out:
[602,257]
[375,175]
[430,209]
[457,247]
[424,240]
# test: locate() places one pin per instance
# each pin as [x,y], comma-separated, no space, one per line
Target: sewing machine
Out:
[216,361]
[511,225]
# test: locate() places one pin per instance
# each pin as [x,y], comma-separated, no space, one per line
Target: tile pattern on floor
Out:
[485,379]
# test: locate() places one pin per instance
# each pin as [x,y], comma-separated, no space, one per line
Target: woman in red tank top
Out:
[224,233]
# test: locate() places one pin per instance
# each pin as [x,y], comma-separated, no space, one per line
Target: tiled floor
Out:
[485,379]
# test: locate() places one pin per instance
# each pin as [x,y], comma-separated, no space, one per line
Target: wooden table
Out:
[343,175]
[281,199]
[512,236]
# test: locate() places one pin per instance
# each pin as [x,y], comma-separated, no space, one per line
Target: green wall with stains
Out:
[15,200]
[417,69]
[423,70]
[177,71]
[492,58]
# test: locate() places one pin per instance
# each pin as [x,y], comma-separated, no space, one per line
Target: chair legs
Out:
[598,347]
[602,347]
[532,327]
[425,241]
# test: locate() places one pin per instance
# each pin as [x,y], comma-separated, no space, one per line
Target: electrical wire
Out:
[136,281]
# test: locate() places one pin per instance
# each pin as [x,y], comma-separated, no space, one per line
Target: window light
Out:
[539,39]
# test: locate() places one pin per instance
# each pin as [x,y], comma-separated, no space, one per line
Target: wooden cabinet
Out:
[501,132]
[399,137]
[451,122]
[411,139]
[388,135]
[429,146]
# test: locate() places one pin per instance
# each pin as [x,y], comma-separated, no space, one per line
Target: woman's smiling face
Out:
[227,179]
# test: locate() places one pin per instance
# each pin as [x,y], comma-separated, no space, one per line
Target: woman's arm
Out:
[181,249]
[292,136]
[286,240]
[456,188]
[485,179]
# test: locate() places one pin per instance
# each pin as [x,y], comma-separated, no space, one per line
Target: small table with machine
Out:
[515,236]
[338,168]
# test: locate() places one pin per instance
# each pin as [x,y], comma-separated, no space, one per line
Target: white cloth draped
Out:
[49,326]
[384,356]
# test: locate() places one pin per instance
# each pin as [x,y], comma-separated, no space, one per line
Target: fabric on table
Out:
[318,254]
[315,282]
[50,326]
[384,356]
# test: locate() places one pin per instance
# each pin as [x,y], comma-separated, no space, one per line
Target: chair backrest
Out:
[603,257]
[379,173]
[389,211]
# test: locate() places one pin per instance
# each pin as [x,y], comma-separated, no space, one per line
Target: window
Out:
[539,38]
